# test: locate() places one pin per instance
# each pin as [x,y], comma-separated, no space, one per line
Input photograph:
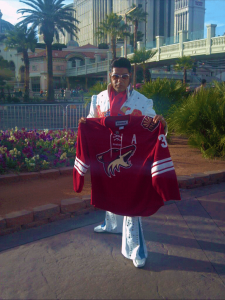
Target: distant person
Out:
[62,92]
[20,94]
[2,94]
[199,88]
[41,93]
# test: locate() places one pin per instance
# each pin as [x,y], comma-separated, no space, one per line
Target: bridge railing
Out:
[41,116]
[219,40]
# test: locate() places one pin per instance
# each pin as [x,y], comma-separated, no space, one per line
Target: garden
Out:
[36,150]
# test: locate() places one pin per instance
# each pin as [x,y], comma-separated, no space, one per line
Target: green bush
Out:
[95,90]
[164,93]
[202,119]
[13,100]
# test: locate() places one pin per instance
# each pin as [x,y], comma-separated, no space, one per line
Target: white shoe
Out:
[99,228]
[139,263]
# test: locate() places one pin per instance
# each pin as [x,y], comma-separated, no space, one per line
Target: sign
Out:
[73,106]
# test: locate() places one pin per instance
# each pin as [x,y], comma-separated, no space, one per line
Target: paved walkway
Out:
[67,260]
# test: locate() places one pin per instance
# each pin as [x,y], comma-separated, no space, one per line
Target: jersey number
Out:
[162,138]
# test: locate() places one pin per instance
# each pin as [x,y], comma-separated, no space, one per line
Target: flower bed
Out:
[35,150]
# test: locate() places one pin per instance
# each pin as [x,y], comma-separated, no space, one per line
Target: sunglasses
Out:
[117,76]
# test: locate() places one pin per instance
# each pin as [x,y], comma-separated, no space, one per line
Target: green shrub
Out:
[202,119]
[164,93]
[95,90]
[14,100]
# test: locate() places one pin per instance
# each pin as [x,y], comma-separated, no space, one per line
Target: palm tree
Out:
[140,36]
[136,16]
[115,27]
[22,39]
[183,64]
[140,57]
[52,17]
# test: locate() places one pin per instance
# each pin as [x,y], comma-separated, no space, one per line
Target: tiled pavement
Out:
[67,260]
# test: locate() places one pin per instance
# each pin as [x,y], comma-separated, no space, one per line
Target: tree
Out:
[183,64]
[103,46]
[22,39]
[136,16]
[52,17]
[115,27]
[5,72]
[58,46]
[140,57]
[140,36]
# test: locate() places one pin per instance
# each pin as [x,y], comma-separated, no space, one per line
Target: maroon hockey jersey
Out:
[132,173]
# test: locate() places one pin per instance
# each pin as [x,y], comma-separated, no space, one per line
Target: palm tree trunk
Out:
[135,48]
[185,76]
[113,46]
[135,34]
[26,63]
[134,75]
[50,90]
[144,75]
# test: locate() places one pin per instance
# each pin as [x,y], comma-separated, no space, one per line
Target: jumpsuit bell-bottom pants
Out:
[133,243]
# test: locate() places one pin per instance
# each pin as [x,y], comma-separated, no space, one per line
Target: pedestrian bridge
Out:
[209,48]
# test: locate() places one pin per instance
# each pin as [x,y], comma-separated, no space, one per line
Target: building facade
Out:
[160,19]
[165,18]
[189,16]
[90,13]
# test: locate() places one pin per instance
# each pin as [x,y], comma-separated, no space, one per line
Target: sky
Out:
[215,12]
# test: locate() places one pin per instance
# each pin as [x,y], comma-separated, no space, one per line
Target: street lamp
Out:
[125,39]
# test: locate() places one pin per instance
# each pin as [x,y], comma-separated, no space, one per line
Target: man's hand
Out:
[82,120]
[159,118]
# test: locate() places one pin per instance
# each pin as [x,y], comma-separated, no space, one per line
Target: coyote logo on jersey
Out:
[115,158]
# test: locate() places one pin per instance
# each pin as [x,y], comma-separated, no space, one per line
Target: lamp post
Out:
[125,39]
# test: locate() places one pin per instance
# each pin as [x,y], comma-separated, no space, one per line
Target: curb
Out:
[69,208]
[44,214]
[52,173]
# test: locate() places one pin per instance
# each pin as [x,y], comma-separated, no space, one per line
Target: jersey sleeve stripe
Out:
[163,171]
[82,163]
[83,169]
[161,166]
[79,171]
[161,161]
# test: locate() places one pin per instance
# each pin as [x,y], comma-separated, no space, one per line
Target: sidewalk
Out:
[67,260]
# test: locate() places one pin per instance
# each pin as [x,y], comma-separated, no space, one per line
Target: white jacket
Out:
[136,104]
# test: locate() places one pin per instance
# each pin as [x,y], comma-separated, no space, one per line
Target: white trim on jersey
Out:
[162,166]
[79,171]
[81,162]
[163,171]
[161,161]
[80,166]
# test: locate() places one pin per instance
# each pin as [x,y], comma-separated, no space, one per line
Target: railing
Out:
[87,69]
[194,44]
[218,40]
[41,116]
[169,48]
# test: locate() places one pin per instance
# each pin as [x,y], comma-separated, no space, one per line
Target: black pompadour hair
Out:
[121,62]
